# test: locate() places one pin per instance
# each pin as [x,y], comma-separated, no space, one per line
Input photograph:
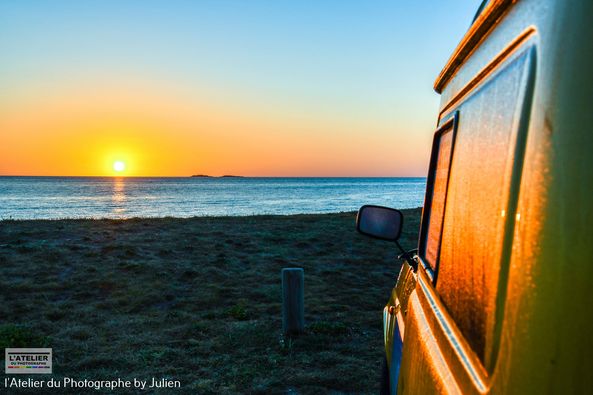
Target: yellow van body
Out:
[501,301]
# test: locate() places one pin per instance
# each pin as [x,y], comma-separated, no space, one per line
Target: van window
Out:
[442,149]
[486,163]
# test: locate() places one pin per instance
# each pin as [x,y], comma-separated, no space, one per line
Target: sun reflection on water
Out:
[118,196]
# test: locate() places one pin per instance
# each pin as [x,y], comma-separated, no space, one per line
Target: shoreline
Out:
[6,220]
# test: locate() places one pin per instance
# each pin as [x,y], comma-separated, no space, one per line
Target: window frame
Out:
[449,125]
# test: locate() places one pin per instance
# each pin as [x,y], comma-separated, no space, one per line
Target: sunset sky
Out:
[254,88]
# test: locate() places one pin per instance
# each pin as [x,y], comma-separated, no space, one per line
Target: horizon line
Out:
[224,176]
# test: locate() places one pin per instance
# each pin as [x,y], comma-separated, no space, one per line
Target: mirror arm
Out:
[407,256]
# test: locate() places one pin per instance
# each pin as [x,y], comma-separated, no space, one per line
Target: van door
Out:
[455,314]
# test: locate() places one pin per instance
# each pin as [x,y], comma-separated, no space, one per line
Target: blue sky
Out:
[359,62]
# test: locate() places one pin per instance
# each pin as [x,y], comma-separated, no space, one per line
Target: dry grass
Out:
[198,300]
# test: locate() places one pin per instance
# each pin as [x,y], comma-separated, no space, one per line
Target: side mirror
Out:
[380,222]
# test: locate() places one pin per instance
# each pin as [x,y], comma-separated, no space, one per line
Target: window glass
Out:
[443,145]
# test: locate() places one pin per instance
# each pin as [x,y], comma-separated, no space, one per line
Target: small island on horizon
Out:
[207,176]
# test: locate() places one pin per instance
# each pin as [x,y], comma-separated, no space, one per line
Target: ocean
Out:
[107,197]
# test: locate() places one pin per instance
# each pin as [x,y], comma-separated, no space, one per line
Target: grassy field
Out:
[198,300]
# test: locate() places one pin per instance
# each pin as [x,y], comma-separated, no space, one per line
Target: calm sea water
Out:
[105,197]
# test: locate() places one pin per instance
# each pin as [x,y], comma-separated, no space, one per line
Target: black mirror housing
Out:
[379,222]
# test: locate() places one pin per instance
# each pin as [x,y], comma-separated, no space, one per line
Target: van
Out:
[498,297]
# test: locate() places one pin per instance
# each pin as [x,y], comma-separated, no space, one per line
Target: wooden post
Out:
[293,301]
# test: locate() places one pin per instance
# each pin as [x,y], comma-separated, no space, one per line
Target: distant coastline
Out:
[207,176]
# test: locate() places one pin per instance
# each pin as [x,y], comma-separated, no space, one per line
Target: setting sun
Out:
[119,166]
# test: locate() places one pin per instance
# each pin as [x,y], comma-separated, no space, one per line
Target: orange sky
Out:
[161,132]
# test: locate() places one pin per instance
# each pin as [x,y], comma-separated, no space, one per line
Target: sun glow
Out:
[119,166]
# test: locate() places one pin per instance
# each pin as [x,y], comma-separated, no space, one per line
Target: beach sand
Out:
[198,300]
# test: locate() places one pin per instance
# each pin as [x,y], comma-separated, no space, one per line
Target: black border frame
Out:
[451,124]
